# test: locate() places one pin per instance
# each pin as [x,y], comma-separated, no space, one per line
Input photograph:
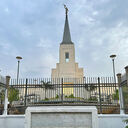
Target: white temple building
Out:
[67,67]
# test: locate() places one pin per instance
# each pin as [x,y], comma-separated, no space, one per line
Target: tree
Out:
[116,95]
[13,94]
[47,86]
[90,87]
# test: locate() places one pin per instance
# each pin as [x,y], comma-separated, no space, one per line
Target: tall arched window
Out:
[66,57]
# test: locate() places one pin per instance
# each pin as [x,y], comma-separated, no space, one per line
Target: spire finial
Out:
[66,34]
[66,9]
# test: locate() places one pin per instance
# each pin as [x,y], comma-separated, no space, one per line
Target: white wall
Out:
[112,121]
[12,121]
[105,121]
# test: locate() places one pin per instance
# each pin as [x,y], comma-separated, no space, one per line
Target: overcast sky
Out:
[33,29]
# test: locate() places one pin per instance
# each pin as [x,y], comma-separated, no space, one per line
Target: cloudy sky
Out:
[33,29]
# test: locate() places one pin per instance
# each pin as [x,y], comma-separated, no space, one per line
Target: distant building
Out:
[67,67]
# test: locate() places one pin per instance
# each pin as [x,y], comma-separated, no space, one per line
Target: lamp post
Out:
[113,62]
[18,58]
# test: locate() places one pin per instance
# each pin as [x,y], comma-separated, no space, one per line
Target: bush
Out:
[93,99]
[71,96]
[13,94]
[115,96]
[57,96]
[126,121]
[66,96]
[46,99]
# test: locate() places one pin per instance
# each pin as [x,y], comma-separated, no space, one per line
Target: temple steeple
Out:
[67,67]
[66,34]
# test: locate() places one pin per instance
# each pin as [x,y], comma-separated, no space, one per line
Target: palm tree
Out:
[47,86]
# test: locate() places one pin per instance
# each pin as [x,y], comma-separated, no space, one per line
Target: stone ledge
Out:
[63,111]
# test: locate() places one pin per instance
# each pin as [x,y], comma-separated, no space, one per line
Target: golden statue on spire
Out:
[66,9]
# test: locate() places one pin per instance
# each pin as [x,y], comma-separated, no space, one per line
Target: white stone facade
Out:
[68,69]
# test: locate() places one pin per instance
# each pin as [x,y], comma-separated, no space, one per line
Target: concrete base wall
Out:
[61,117]
[12,121]
[112,121]
[105,121]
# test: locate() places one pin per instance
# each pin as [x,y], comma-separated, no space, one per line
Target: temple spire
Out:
[66,34]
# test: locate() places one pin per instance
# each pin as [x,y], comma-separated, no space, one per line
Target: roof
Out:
[66,34]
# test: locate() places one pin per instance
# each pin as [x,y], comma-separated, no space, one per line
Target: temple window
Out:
[66,57]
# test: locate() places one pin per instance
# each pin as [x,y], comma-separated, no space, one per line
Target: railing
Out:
[100,92]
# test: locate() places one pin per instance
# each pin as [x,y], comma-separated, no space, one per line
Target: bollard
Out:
[120,94]
[6,96]
[126,70]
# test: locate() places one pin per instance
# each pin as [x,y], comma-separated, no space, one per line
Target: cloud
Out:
[95,13]
[34,29]
[39,66]
[44,43]
[6,9]
[104,42]
[7,49]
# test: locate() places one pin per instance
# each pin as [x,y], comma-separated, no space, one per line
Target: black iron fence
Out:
[100,92]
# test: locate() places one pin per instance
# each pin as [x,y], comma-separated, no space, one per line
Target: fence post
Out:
[62,90]
[6,96]
[126,70]
[120,94]
[99,95]
[26,92]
